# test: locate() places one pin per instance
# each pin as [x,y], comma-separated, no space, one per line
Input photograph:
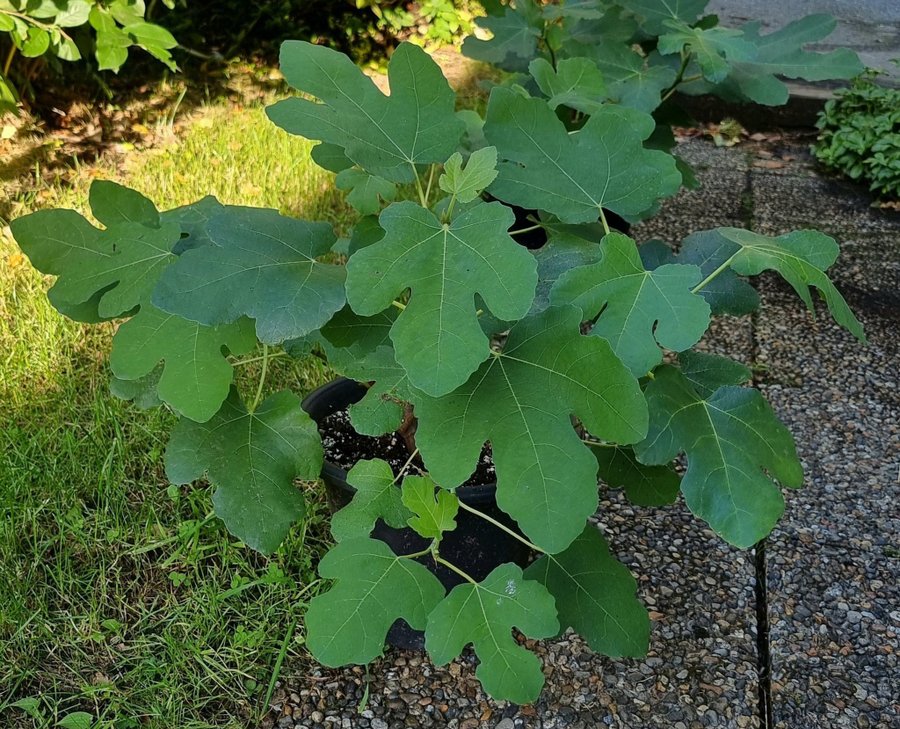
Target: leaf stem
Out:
[430,180]
[715,273]
[598,443]
[454,568]
[9,59]
[398,305]
[603,221]
[423,201]
[421,553]
[262,377]
[251,360]
[526,230]
[463,505]
[449,212]
[405,466]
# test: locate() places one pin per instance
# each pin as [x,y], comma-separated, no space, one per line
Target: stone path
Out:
[833,563]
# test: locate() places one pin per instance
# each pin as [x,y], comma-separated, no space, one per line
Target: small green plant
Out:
[430,21]
[859,135]
[37,28]
[555,358]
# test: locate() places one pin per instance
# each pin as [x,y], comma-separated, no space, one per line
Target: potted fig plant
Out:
[487,385]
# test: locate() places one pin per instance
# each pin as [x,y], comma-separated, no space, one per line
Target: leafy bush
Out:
[556,358]
[860,135]
[58,29]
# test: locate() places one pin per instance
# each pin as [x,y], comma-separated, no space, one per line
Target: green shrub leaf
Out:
[729,437]
[377,497]
[101,273]
[365,191]
[196,375]
[574,176]
[437,338]
[263,265]
[468,182]
[801,257]
[715,49]
[644,485]
[484,614]
[522,400]
[385,135]
[594,595]
[575,82]
[252,459]
[434,513]
[636,308]
[654,14]
[374,587]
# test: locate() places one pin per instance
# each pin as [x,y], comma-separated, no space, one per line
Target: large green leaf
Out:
[377,496]
[654,14]
[708,372]
[193,220]
[644,485]
[631,79]
[484,614]
[437,338]
[729,438]
[433,513]
[101,273]
[385,135]
[575,176]
[197,376]
[727,293]
[575,82]
[566,248]
[801,257]
[715,49]
[262,265]
[348,624]
[515,37]
[781,54]
[522,400]
[252,459]
[636,308]
[594,595]
[112,203]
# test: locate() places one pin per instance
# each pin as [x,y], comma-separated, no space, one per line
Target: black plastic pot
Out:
[476,546]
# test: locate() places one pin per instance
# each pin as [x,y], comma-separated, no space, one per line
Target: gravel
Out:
[834,561]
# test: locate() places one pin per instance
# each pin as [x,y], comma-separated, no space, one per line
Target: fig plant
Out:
[566,363]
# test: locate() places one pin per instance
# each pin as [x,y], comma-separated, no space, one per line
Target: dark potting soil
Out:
[344,447]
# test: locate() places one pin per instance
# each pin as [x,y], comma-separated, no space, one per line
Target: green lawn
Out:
[120,596]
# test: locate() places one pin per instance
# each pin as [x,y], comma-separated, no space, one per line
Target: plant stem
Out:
[423,201]
[603,220]
[503,527]
[9,59]
[430,180]
[406,465]
[715,273]
[598,443]
[262,377]
[251,360]
[449,210]
[398,305]
[421,553]
[525,230]
[454,568]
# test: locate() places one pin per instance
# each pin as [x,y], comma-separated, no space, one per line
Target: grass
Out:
[120,596]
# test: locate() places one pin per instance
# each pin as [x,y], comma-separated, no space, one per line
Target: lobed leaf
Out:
[373,588]
[575,176]
[801,257]
[252,458]
[377,496]
[433,513]
[437,338]
[735,448]
[644,485]
[196,376]
[595,596]
[522,400]
[262,265]
[467,183]
[484,614]
[654,14]
[365,191]
[575,82]
[715,49]
[634,308]
[385,135]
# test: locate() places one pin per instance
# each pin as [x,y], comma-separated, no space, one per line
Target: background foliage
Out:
[860,135]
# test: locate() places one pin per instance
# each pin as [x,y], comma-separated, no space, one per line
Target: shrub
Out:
[859,135]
